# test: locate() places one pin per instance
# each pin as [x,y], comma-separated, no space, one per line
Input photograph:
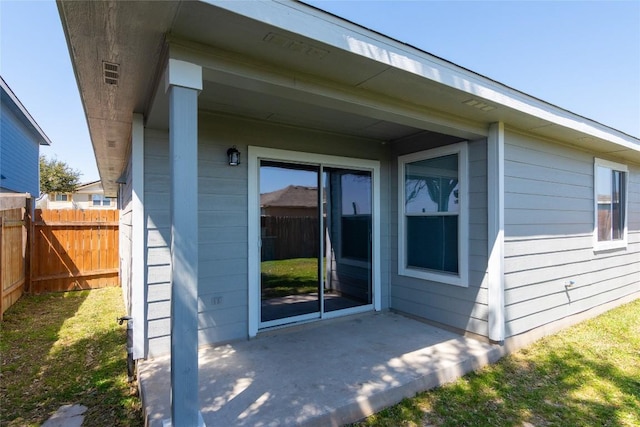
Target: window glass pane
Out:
[604,202]
[356,193]
[617,205]
[604,185]
[610,193]
[432,242]
[96,199]
[432,185]
[106,201]
[355,189]
[290,280]
[347,238]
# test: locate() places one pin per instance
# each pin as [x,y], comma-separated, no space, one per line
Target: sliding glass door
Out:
[315,241]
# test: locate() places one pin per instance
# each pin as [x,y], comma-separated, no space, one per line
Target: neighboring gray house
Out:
[20,141]
[292,200]
[450,196]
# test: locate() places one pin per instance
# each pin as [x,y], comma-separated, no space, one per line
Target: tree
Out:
[439,190]
[57,177]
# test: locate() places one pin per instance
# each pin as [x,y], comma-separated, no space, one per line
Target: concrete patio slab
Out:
[321,374]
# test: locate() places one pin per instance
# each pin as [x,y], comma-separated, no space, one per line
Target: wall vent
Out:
[483,106]
[111,143]
[110,72]
[295,45]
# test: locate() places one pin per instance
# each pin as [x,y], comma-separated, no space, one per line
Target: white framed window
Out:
[60,197]
[100,200]
[433,226]
[610,200]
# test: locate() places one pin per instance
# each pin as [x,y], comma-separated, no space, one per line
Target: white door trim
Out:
[255,154]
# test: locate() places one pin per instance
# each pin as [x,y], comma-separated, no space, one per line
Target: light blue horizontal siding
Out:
[549,220]
[464,308]
[158,241]
[222,221]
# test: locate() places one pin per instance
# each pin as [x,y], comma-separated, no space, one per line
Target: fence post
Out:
[2,265]
[28,253]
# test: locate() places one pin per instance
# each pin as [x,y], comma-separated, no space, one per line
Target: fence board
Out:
[289,237]
[74,249]
[12,250]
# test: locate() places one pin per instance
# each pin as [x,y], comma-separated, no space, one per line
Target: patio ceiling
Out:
[289,63]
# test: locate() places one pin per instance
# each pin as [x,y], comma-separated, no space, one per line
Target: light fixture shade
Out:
[234,156]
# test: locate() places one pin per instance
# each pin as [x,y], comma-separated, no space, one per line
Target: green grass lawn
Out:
[289,277]
[588,375]
[66,348]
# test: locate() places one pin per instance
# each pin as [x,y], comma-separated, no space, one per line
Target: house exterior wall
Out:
[77,201]
[549,220]
[548,231]
[51,203]
[19,155]
[463,308]
[82,198]
[223,220]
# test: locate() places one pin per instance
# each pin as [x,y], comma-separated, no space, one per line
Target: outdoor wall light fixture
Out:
[234,156]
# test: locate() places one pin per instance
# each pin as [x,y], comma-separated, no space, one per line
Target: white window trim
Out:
[460,279]
[255,154]
[608,245]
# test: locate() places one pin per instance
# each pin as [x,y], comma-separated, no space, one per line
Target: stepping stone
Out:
[67,416]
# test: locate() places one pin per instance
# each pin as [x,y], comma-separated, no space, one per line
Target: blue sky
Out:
[581,56]
[34,61]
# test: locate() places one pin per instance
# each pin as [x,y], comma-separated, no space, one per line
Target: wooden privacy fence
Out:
[74,249]
[13,244]
[286,237]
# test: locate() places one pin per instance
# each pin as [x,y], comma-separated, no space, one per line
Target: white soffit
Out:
[114,48]
[331,30]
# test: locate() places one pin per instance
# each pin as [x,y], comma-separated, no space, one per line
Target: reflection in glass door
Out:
[316,245]
[347,239]
[289,228]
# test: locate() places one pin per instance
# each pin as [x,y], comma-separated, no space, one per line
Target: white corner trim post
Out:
[495,195]
[183,83]
[138,258]
[254,240]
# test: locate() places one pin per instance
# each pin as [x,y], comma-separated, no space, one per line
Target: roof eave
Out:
[37,131]
[312,22]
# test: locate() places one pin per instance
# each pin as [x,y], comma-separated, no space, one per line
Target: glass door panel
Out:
[347,242]
[290,269]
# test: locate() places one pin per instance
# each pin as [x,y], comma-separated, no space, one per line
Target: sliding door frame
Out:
[255,155]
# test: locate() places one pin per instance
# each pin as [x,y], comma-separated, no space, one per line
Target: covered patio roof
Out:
[290,63]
